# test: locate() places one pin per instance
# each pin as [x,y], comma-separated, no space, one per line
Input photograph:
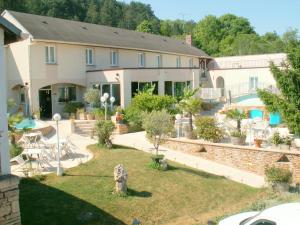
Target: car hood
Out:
[237,219]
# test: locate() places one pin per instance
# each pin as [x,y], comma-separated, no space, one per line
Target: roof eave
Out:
[118,47]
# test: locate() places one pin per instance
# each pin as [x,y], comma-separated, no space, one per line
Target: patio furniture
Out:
[21,163]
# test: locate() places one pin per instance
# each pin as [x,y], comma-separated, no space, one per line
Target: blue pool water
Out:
[275,118]
[245,97]
[26,123]
[256,113]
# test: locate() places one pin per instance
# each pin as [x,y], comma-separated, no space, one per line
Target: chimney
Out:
[188,39]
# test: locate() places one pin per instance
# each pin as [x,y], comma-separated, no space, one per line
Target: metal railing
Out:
[236,90]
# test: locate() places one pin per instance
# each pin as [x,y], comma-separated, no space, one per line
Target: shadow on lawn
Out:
[141,194]
[85,175]
[42,204]
[196,172]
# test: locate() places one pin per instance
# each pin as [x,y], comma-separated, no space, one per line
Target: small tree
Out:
[287,103]
[237,115]
[92,97]
[191,105]
[157,124]
[104,129]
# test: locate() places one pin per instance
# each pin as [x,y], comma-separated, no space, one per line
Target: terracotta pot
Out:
[257,143]
[90,116]
[81,116]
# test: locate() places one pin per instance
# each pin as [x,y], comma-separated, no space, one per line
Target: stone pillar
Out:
[4,149]
[9,200]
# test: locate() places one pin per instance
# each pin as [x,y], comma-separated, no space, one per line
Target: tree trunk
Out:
[190,122]
[239,125]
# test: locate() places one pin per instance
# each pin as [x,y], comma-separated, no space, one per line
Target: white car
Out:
[285,214]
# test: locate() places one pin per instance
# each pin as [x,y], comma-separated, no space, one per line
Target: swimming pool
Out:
[248,100]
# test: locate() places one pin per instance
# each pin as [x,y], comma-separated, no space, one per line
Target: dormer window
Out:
[114,58]
[50,57]
[141,59]
[89,56]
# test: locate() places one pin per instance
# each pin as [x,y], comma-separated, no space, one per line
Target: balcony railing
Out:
[235,91]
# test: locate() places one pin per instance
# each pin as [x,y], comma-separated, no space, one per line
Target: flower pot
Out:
[284,147]
[157,158]
[280,187]
[81,116]
[90,116]
[238,140]
[275,146]
[257,142]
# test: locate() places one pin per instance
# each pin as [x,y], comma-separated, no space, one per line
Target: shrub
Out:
[72,107]
[237,134]
[236,115]
[207,129]
[15,150]
[157,124]
[276,139]
[92,97]
[104,129]
[278,175]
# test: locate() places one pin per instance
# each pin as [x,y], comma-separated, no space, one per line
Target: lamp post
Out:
[112,100]
[178,122]
[104,99]
[56,118]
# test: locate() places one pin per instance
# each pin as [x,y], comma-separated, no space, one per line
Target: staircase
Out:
[83,127]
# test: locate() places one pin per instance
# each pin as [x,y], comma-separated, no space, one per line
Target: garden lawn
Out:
[84,195]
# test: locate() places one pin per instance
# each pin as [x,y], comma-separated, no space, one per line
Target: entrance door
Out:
[45,103]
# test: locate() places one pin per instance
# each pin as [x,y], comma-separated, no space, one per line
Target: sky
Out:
[264,15]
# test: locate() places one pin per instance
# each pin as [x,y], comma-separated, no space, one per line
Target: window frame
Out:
[158,61]
[178,62]
[112,63]
[48,54]
[141,59]
[87,56]
[66,93]
[191,63]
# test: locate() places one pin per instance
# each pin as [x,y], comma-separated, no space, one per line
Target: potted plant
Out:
[276,140]
[287,142]
[98,113]
[237,136]
[257,142]
[279,178]
[81,114]
[90,115]
[207,129]
[92,96]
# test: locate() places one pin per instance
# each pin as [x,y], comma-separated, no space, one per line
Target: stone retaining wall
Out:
[9,200]
[242,157]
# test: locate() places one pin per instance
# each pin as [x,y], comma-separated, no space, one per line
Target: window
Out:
[263,222]
[67,94]
[50,54]
[112,90]
[191,63]
[22,95]
[169,88]
[141,59]
[176,88]
[253,85]
[114,58]
[178,62]
[139,86]
[158,61]
[89,56]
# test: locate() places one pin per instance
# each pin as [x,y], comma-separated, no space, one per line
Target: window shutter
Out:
[46,54]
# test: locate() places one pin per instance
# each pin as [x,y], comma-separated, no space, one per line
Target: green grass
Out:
[84,195]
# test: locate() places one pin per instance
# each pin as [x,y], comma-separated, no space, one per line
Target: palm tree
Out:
[190,105]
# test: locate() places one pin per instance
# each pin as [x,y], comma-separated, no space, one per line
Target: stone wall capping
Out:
[8,181]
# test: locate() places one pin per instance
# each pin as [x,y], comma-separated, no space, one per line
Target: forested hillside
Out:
[218,36]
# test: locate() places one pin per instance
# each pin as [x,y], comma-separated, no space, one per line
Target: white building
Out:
[57,59]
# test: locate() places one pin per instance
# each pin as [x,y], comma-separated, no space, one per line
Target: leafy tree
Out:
[92,15]
[145,26]
[206,128]
[287,103]
[207,34]
[190,105]
[110,13]
[238,116]
[157,125]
